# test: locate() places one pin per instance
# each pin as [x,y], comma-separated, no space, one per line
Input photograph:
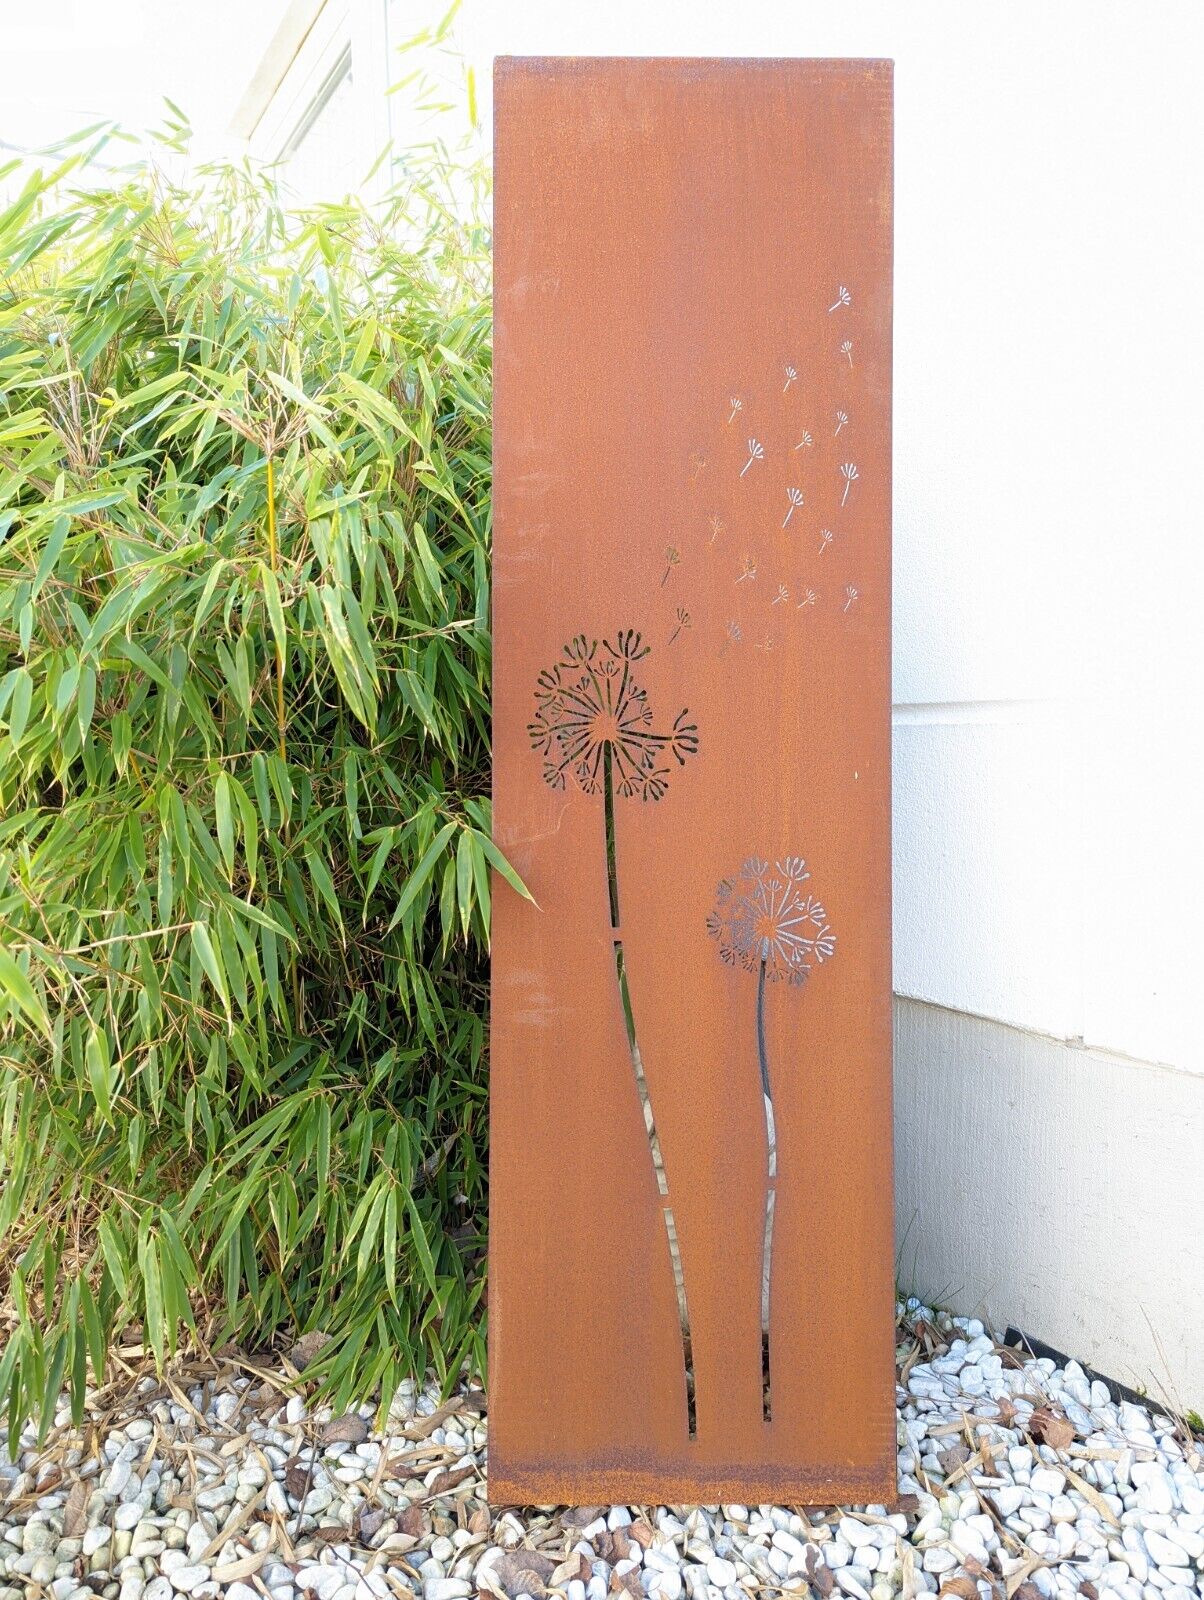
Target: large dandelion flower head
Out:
[592,715]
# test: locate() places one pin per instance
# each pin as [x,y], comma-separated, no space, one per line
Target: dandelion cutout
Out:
[683,622]
[842,421]
[849,473]
[737,406]
[698,463]
[843,298]
[791,376]
[733,634]
[748,569]
[593,724]
[851,595]
[716,527]
[766,644]
[809,599]
[756,452]
[766,922]
[825,539]
[846,350]
[672,559]
[782,595]
[795,497]
[805,442]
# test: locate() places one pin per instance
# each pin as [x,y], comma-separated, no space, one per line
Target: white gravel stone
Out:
[150,1514]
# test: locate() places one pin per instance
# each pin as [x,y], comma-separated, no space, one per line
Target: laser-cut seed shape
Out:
[782,595]
[842,418]
[733,634]
[737,406]
[593,724]
[672,559]
[748,569]
[852,595]
[825,539]
[791,375]
[843,297]
[716,525]
[756,452]
[805,442]
[683,621]
[846,349]
[849,473]
[795,497]
[809,599]
[766,923]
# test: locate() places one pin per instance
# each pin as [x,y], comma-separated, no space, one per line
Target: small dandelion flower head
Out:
[763,917]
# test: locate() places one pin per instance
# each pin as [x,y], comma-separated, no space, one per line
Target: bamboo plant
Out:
[244,815]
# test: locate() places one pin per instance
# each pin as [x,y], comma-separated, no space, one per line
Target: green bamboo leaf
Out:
[422,1248]
[202,943]
[419,877]
[224,812]
[18,709]
[16,985]
[501,865]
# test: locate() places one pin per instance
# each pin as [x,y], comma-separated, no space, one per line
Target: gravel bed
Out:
[1018,1480]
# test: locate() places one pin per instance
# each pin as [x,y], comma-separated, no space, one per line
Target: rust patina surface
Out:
[691,1251]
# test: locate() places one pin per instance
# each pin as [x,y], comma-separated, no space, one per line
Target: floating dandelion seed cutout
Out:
[590,709]
[791,376]
[849,473]
[809,599]
[843,297]
[672,559]
[846,350]
[782,595]
[850,596]
[763,915]
[683,622]
[795,497]
[842,421]
[825,539]
[805,442]
[737,406]
[748,569]
[756,452]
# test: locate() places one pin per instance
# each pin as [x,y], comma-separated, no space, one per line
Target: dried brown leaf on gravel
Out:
[351,1429]
[450,1479]
[819,1573]
[75,1512]
[1051,1428]
[579,1517]
[964,1588]
[613,1545]
[518,1572]
[627,1583]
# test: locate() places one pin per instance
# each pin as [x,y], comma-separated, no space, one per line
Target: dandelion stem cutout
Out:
[593,726]
[690,1284]
[764,920]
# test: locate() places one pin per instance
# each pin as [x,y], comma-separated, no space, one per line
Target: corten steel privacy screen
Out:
[691,1264]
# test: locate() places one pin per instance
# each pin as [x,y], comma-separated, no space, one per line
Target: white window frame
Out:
[316,44]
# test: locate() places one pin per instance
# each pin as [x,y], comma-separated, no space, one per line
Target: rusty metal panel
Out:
[691,1257]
